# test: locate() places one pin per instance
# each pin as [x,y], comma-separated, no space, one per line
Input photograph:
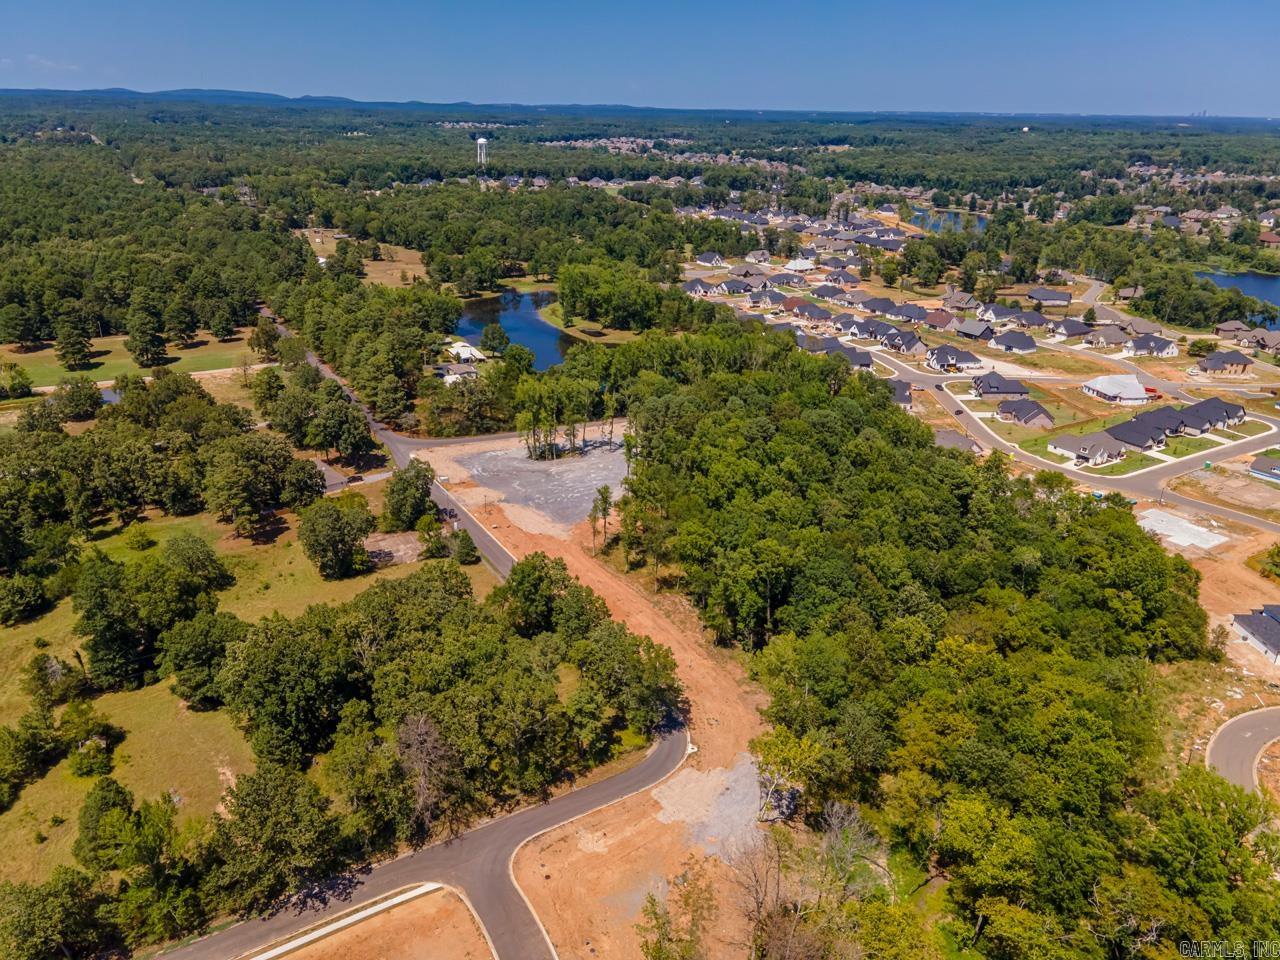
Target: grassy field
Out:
[1044,360]
[397,268]
[587,331]
[1132,461]
[110,359]
[167,749]
[271,578]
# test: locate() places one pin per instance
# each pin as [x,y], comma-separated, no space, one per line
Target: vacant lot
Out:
[1230,485]
[437,926]
[397,268]
[167,749]
[110,359]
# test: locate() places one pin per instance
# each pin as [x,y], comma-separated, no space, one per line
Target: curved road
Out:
[1237,745]
[478,863]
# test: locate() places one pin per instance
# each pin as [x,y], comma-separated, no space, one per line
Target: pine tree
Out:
[73,343]
[144,344]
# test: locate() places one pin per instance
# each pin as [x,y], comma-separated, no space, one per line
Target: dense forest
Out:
[964,652]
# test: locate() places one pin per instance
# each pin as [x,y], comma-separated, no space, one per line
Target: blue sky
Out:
[1120,56]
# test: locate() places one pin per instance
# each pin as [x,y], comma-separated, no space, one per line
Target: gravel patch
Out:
[718,807]
[560,489]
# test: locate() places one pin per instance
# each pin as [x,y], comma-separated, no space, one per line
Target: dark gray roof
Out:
[1263,626]
[1014,340]
[901,391]
[998,383]
[1045,295]
[1023,410]
[1221,359]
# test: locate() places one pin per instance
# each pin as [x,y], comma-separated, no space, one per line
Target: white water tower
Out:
[482,151]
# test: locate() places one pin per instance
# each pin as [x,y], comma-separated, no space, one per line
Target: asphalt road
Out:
[478,863]
[1238,743]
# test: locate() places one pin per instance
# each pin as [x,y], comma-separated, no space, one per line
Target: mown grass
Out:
[167,749]
[110,359]
[587,331]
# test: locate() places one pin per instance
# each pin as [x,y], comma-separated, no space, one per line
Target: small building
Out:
[995,386]
[709,259]
[1026,412]
[1044,297]
[1068,328]
[1087,449]
[959,301]
[1232,329]
[941,321]
[801,265]
[1106,336]
[464,352]
[1261,630]
[1014,341]
[947,359]
[758,256]
[452,373]
[955,440]
[1149,345]
[1225,362]
[975,330]
[1125,294]
[901,393]
[1269,240]
[697,287]
[1123,389]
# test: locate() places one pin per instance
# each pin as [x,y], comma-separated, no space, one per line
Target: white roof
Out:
[1124,386]
[800,264]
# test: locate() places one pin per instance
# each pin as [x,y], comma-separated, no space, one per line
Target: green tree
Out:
[408,497]
[73,345]
[464,548]
[264,339]
[332,533]
[276,836]
[195,650]
[493,339]
[144,343]
[53,920]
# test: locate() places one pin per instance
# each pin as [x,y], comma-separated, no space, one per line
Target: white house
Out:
[1123,389]
[463,352]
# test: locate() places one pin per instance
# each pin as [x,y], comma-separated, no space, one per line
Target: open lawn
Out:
[1132,461]
[110,359]
[397,268]
[1044,360]
[1039,445]
[273,577]
[1188,446]
[194,756]
[588,331]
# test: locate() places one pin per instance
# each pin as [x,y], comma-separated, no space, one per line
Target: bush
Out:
[464,548]
[137,537]
[92,758]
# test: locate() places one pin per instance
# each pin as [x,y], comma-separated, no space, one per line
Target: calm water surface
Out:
[517,313]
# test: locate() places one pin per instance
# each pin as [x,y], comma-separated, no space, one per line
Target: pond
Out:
[1263,286]
[517,314]
[939,220]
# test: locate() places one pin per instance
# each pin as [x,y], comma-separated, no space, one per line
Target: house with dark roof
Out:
[709,259]
[975,330]
[697,287]
[901,393]
[1141,434]
[746,270]
[946,358]
[907,313]
[1106,336]
[1149,345]
[1069,328]
[758,256]
[858,359]
[1136,326]
[767,299]
[997,313]
[1031,320]
[1265,468]
[879,306]
[734,287]
[827,291]
[1026,412]
[902,341]
[1226,362]
[1014,341]
[811,311]
[788,280]
[1261,630]
[995,386]
[1044,297]
[1087,449]
[867,328]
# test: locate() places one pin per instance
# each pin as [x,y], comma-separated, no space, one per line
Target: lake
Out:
[1263,286]
[939,220]
[517,314]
